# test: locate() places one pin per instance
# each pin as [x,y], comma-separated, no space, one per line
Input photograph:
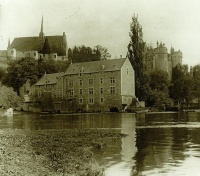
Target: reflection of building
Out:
[128,143]
[159,59]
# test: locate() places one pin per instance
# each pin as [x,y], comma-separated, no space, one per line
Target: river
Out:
[157,143]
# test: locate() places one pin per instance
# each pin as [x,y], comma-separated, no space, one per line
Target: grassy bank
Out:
[50,152]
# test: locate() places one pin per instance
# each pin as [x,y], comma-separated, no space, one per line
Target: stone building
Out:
[90,86]
[48,90]
[159,59]
[32,47]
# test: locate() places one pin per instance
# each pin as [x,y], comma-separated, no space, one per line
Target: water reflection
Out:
[157,144]
[167,151]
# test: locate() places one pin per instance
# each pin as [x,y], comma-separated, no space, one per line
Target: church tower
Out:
[9,46]
[41,35]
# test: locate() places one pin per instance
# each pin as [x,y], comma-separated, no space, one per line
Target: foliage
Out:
[104,54]
[196,82]
[135,55]
[159,80]
[159,99]
[181,89]
[46,48]
[19,71]
[2,73]
[159,94]
[9,98]
[85,54]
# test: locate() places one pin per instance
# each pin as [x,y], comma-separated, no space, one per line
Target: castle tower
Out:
[176,58]
[41,35]
[161,58]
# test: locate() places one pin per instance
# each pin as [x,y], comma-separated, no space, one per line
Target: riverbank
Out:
[51,152]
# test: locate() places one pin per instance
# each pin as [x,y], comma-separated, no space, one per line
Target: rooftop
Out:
[95,66]
[49,79]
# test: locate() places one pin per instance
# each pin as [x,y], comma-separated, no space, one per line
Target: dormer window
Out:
[81,71]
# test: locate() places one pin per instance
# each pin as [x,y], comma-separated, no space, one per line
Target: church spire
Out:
[9,47]
[41,35]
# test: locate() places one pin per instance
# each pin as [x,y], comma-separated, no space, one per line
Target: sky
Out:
[106,22]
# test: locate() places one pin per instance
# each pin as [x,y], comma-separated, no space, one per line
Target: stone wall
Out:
[102,97]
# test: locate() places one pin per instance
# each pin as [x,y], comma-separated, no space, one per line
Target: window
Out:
[91,91]
[101,90]
[91,81]
[80,101]
[112,80]
[112,90]
[71,92]
[34,54]
[39,94]
[71,83]
[101,100]
[80,91]
[80,82]
[81,71]
[101,80]
[91,100]
[127,71]
[55,56]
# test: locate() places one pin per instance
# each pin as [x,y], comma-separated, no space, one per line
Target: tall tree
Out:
[46,48]
[135,55]
[181,89]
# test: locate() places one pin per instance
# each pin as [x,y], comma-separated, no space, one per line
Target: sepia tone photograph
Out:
[99,88]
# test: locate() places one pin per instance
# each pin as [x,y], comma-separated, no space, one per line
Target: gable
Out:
[49,79]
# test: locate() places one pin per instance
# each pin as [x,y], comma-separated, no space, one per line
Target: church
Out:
[39,47]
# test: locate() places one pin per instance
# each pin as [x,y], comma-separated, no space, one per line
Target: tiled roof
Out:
[49,79]
[36,43]
[95,66]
